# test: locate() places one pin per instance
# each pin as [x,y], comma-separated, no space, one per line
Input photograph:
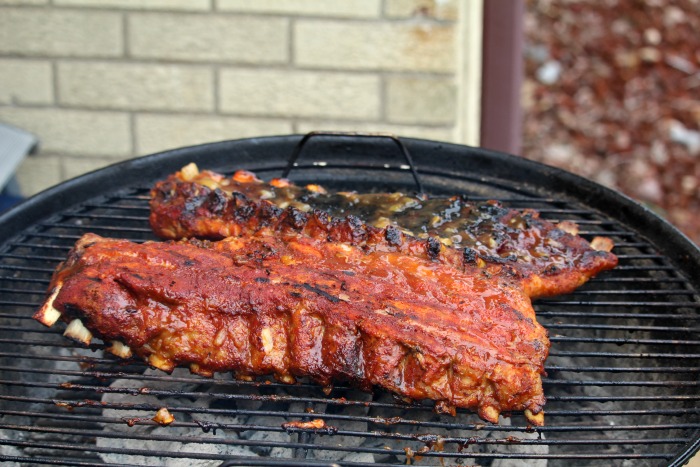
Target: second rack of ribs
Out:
[547,259]
[303,307]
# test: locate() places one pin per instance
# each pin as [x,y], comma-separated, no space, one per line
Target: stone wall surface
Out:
[100,81]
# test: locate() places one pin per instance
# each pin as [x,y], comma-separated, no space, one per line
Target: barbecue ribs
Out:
[548,259]
[297,306]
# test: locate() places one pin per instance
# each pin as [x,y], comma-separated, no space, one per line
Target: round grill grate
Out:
[622,383]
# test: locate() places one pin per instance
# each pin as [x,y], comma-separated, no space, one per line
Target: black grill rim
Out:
[427,155]
[430,157]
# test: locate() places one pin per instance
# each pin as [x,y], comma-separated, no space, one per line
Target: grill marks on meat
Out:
[258,305]
[546,259]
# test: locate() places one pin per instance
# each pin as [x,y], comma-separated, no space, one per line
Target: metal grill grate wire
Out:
[622,383]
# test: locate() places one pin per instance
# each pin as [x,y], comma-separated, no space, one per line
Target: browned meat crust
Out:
[547,259]
[302,306]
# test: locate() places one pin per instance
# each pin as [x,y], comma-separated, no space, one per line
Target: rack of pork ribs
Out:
[429,298]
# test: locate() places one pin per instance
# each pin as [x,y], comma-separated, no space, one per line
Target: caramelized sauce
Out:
[494,232]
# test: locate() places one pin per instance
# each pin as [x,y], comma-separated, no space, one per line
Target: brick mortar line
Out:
[408,20]
[305,120]
[151,112]
[296,120]
[138,112]
[216,89]
[291,55]
[229,65]
[126,42]
[62,167]
[81,156]
[132,133]
[110,10]
[108,159]
[55,83]
[296,117]
[383,97]
[332,121]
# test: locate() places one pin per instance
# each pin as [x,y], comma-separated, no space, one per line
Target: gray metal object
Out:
[15,144]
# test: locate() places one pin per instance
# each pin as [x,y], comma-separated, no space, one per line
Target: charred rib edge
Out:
[536,419]
[569,227]
[602,244]
[189,171]
[78,332]
[119,349]
[160,363]
[489,413]
[47,314]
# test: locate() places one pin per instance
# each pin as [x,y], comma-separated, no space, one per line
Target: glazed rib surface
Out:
[295,306]
[547,259]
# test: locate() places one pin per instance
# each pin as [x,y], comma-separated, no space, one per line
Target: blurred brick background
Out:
[100,81]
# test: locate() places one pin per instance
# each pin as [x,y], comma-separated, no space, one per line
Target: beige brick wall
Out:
[26,82]
[49,32]
[300,94]
[135,86]
[390,46]
[209,38]
[100,81]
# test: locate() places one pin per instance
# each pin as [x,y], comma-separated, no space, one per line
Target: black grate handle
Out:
[402,147]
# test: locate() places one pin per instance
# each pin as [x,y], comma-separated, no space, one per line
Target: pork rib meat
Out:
[304,307]
[547,259]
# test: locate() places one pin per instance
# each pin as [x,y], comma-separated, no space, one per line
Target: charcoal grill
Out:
[622,382]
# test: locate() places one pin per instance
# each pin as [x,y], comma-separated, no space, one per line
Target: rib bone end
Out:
[160,363]
[443,407]
[188,172]
[198,370]
[242,376]
[78,332]
[536,419]
[119,349]
[489,413]
[47,314]
[602,244]
[286,379]
[569,227]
